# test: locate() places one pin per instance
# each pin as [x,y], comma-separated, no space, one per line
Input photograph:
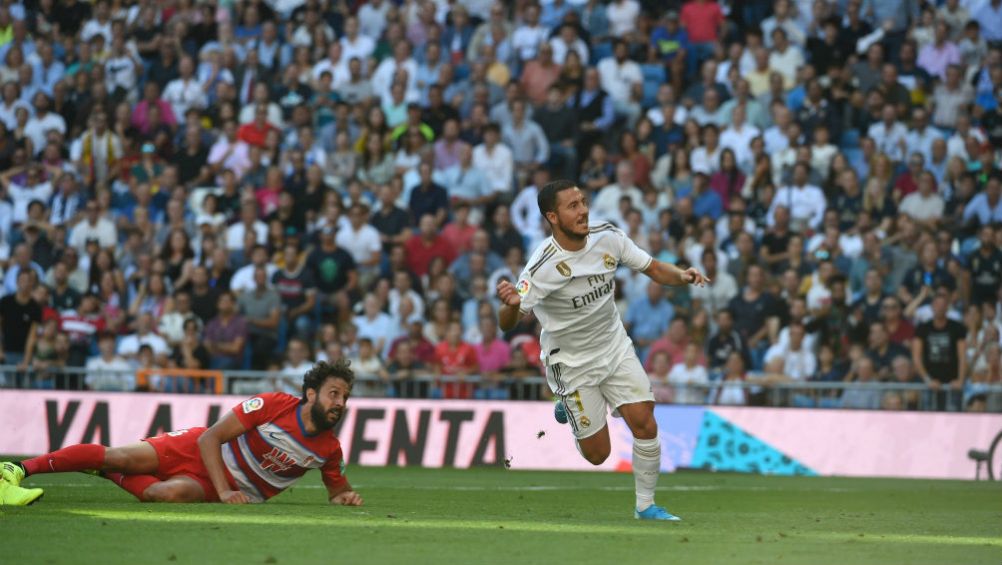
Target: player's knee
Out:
[647,429]
[163,493]
[596,456]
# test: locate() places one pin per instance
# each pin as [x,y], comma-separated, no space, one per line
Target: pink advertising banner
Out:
[430,433]
[461,434]
[872,443]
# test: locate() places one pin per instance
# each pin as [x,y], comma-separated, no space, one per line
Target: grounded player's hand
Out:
[347,498]
[693,276]
[508,294]
[233,497]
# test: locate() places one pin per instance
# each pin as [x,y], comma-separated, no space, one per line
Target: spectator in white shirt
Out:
[336,63]
[889,134]
[130,344]
[793,359]
[385,74]
[94,226]
[922,135]
[185,91]
[495,160]
[109,371]
[297,362]
[568,40]
[738,135]
[527,38]
[355,44]
[374,323]
[33,187]
[716,294]
[372,18]
[785,58]
[44,121]
[925,205]
[622,80]
[687,377]
[121,69]
[235,234]
[361,240]
[805,202]
[605,206]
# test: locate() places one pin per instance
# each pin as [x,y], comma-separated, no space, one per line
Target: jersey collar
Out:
[302,428]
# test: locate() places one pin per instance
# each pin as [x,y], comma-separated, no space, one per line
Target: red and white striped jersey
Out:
[276,451]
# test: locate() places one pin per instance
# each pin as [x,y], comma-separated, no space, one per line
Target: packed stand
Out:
[259,184]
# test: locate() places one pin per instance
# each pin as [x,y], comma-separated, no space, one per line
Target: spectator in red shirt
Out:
[427,244]
[455,358]
[256,132]
[459,232]
[703,21]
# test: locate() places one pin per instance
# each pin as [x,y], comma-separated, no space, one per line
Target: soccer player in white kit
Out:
[591,365]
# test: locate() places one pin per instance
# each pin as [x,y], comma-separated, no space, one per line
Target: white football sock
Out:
[646,467]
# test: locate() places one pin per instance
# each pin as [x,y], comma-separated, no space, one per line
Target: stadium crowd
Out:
[257,184]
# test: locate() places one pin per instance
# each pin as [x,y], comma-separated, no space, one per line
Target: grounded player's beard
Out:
[321,421]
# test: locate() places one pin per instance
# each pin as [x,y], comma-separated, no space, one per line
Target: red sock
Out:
[135,485]
[83,457]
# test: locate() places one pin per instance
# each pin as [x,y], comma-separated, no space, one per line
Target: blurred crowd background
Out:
[259,184]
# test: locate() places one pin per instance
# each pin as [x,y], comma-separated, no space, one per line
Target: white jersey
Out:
[572,294]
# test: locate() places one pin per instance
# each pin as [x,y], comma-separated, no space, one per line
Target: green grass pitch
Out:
[442,516]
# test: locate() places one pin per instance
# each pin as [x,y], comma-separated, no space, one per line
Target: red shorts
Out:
[179,456]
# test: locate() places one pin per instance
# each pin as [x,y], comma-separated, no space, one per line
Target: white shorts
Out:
[588,392]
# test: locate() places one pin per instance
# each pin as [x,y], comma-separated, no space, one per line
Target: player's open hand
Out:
[347,498]
[508,294]
[693,276]
[233,497]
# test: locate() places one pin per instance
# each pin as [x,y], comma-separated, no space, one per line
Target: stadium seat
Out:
[654,77]
[600,51]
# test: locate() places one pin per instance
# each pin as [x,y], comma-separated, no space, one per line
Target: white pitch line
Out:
[531,488]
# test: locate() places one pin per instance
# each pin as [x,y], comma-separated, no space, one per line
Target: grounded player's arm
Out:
[510,312]
[344,495]
[210,446]
[668,274]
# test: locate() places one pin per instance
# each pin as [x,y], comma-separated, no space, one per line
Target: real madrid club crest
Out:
[609,261]
[564,269]
[585,422]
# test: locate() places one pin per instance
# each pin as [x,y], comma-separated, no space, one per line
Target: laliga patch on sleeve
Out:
[522,288]
[253,404]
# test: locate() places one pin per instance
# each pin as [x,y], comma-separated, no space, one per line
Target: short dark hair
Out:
[323,370]
[547,197]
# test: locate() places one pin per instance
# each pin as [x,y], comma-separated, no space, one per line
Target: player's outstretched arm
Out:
[666,273]
[346,497]
[510,312]
[210,445]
